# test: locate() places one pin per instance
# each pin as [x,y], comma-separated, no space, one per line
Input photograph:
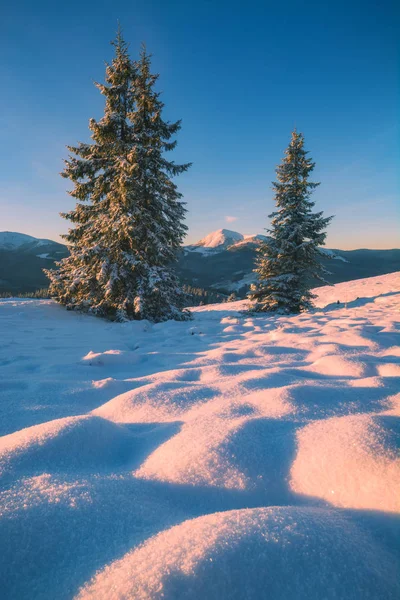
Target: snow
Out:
[233,456]
[286,553]
[332,254]
[11,240]
[222,239]
[251,239]
[216,241]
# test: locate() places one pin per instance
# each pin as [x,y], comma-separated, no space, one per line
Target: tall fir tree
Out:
[289,259]
[128,221]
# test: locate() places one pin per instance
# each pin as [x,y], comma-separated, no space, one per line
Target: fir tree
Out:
[290,258]
[128,221]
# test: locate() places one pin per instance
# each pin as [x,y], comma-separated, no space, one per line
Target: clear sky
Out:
[240,75]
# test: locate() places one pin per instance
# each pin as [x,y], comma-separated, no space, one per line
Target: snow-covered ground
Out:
[230,457]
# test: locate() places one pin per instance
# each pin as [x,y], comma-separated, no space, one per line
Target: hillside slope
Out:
[230,457]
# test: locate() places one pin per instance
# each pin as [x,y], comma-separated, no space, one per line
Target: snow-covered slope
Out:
[231,457]
[10,240]
[251,239]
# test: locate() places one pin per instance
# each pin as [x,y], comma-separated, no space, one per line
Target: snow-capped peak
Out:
[221,237]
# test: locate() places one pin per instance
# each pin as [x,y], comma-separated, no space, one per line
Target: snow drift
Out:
[236,456]
[284,553]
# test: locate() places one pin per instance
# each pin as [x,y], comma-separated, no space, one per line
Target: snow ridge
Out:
[11,240]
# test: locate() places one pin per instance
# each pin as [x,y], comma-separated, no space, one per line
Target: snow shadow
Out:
[355,303]
[87,446]
[263,450]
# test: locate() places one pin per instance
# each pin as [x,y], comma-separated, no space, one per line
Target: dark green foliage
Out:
[128,220]
[199,296]
[41,293]
[290,259]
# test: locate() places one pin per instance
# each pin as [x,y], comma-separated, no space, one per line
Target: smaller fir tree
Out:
[289,259]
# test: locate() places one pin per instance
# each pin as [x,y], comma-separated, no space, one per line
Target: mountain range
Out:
[222,261]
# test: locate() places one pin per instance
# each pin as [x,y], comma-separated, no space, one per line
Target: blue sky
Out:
[240,75]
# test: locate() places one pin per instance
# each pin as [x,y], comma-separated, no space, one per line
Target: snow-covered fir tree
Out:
[289,259]
[128,221]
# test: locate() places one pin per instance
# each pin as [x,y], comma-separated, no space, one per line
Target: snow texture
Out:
[232,457]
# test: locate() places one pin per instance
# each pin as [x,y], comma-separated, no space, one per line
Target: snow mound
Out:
[351,462]
[111,358]
[279,553]
[389,370]
[195,456]
[350,291]
[338,366]
[216,445]
[159,401]
[66,444]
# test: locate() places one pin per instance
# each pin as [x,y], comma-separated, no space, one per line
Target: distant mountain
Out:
[10,240]
[223,262]
[223,239]
[22,260]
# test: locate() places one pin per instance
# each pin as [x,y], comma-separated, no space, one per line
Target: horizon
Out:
[61,241]
[346,106]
